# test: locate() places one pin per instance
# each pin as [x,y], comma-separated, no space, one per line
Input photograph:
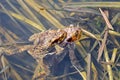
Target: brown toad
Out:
[44,40]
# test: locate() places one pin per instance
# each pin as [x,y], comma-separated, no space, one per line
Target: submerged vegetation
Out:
[95,56]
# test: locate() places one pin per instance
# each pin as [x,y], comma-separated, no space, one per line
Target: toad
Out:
[44,40]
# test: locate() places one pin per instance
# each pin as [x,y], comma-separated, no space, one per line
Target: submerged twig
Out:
[106,19]
[83,74]
[30,13]
[4,69]
[4,66]
[89,67]
[62,76]
[114,54]
[109,26]
[93,4]
[102,46]
[109,69]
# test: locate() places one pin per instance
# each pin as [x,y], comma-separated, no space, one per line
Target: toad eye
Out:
[60,38]
[75,36]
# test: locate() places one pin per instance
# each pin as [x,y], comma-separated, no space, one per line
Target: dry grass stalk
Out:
[109,26]
[44,13]
[30,13]
[109,68]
